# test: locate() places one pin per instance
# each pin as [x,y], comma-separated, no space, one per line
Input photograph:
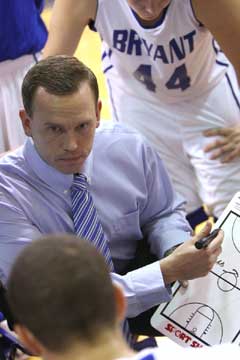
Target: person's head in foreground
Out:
[63,300]
[66,306]
[61,111]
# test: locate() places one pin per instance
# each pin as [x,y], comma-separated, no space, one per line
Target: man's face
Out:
[148,10]
[63,127]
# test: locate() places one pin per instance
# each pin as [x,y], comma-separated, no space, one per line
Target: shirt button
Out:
[65,192]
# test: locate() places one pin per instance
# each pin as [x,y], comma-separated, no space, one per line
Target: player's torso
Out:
[174,60]
[22,28]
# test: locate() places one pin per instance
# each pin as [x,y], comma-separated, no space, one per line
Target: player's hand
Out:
[187,262]
[227,146]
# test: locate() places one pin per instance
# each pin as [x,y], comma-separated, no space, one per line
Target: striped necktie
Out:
[85,218]
[88,226]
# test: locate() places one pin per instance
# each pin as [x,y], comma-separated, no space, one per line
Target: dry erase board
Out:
[208,311]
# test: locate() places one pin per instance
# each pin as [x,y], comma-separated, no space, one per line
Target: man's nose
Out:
[70,142]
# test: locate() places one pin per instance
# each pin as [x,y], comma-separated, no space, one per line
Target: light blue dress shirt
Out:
[131,191]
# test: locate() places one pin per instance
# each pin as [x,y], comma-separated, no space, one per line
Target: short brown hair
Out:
[58,75]
[60,289]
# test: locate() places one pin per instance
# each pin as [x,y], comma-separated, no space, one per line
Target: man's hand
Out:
[187,262]
[227,146]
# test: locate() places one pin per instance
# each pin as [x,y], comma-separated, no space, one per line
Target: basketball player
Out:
[23,35]
[168,77]
[73,311]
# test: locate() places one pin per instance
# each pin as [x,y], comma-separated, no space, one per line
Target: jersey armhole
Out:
[91,25]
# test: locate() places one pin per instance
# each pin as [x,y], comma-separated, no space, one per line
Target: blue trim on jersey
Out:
[231,87]
[222,63]
[214,46]
[194,14]
[157,23]
[107,69]
[35,58]
[112,101]
[148,357]
[107,53]
[217,50]
[104,54]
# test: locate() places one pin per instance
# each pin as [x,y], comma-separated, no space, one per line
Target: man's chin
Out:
[70,168]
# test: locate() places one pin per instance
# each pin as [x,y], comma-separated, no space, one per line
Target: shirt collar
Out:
[49,174]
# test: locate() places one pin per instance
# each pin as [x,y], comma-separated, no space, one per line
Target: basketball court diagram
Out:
[207,312]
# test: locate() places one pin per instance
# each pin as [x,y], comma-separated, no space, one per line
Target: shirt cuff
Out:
[143,288]
[172,238]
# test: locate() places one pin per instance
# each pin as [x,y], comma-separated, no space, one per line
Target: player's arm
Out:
[68,20]
[222,18]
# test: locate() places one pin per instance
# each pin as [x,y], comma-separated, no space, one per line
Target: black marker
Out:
[204,242]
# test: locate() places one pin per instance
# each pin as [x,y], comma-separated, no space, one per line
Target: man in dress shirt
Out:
[126,177]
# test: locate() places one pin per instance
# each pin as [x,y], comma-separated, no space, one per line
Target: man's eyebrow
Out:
[49,123]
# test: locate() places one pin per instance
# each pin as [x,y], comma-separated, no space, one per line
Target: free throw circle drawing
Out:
[201,320]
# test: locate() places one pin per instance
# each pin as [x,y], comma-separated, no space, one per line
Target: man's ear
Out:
[120,302]
[26,122]
[98,113]
[29,340]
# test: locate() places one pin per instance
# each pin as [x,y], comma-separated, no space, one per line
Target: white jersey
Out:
[168,82]
[171,352]
[12,73]
[175,60]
